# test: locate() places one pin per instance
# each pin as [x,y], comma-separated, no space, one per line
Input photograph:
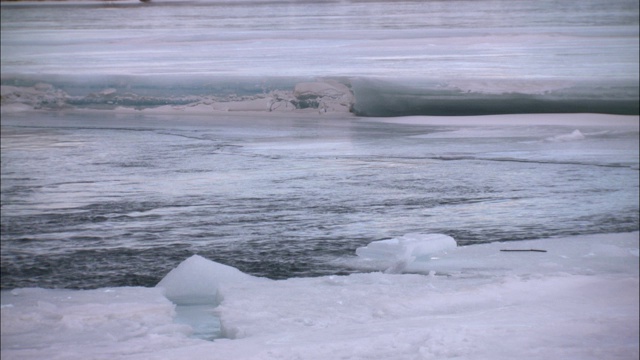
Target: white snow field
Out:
[576,300]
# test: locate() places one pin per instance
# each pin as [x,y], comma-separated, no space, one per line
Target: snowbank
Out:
[577,300]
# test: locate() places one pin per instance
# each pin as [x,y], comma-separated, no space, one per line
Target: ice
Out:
[321,96]
[403,250]
[197,281]
[570,255]
[577,300]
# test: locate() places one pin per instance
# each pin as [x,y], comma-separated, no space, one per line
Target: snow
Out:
[577,300]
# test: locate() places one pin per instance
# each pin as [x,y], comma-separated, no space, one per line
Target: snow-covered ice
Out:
[577,300]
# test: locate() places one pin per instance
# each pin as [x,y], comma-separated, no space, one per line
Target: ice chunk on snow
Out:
[197,281]
[403,250]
